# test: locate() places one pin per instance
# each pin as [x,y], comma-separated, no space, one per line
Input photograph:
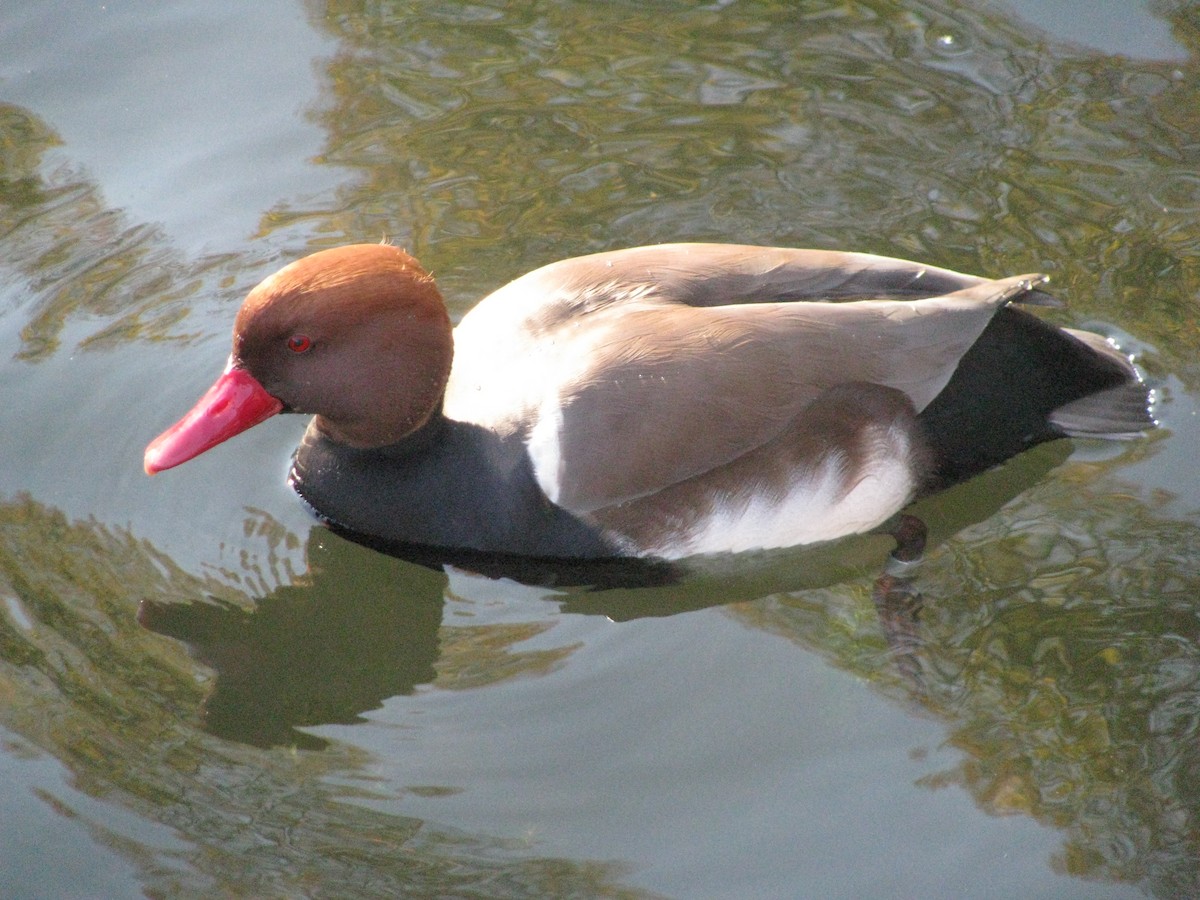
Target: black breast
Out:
[450,485]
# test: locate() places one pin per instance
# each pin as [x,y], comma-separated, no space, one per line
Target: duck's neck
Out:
[393,439]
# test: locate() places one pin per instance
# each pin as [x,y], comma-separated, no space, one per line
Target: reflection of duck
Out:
[361,627]
[337,643]
[661,401]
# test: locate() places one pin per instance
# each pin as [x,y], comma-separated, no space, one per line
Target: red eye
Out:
[298,343]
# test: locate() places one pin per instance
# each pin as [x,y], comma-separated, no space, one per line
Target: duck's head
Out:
[358,336]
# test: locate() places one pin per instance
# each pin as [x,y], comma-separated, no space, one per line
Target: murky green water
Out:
[297,716]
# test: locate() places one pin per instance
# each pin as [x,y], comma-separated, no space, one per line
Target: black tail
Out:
[1025,382]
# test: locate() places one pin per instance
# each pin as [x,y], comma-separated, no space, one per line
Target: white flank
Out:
[817,507]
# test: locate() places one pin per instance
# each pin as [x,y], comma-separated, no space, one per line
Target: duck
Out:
[660,402]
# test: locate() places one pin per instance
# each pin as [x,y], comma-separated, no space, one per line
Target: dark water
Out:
[295,715]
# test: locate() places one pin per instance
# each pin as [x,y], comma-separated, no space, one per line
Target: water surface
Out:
[203,693]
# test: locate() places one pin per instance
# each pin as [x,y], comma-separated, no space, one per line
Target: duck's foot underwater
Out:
[897,600]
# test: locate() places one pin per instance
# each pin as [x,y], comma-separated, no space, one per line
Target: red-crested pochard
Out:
[659,401]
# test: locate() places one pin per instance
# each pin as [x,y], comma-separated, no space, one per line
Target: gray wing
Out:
[723,274]
[671,391]
[507,343]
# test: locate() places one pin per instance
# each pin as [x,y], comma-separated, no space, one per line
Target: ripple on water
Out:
[948,42]
[1177,192]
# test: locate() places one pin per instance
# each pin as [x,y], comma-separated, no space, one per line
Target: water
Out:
[298,716]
